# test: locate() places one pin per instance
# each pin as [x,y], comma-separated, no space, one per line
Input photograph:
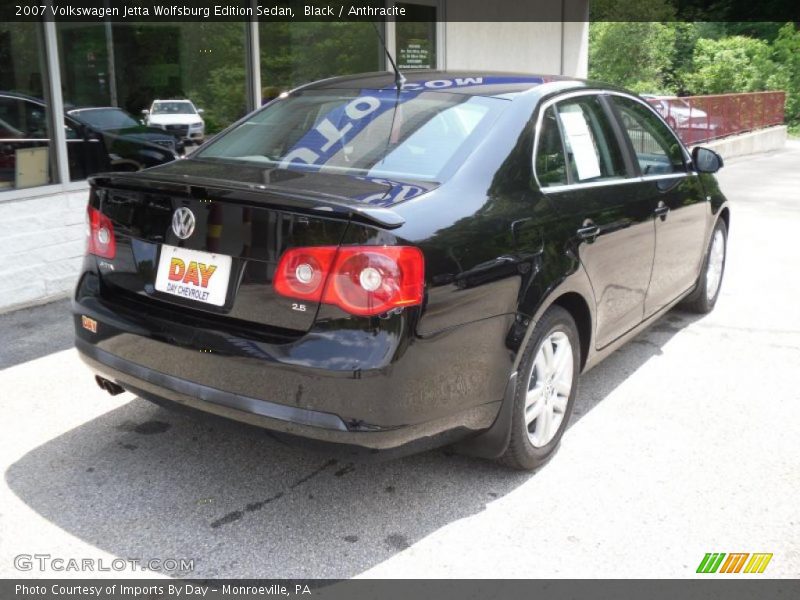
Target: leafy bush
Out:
[635,55]
[222,96]
[695,58]
[786,55]
[730,64]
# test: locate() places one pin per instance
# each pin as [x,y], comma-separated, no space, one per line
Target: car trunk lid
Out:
[239,229]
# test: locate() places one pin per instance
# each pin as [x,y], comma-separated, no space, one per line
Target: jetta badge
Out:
[183,222]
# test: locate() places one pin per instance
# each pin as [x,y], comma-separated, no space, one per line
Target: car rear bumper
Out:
[412,400]
[327,427]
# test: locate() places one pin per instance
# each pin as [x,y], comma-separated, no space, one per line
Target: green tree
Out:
[635,55]
[222,96]
[296,53]
[786,56]
[694,58]
[730,64]
[642,10]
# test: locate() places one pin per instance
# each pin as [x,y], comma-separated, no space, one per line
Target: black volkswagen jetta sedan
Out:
[401,265]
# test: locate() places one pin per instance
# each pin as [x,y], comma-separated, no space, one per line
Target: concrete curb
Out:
[753,142]
[4,310]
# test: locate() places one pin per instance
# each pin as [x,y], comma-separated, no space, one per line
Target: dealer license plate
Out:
[194,275]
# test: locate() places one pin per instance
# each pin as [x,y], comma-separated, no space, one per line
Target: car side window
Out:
[551,164]
[592,151]
[10,120]
[657,149]
[36,120]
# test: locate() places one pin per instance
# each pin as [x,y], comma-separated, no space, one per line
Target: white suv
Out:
[178,117]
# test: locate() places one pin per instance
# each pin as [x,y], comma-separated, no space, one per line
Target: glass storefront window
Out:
[297,53]
[116,78]
[26,149]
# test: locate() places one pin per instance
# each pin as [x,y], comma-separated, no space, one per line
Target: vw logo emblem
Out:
[183,222]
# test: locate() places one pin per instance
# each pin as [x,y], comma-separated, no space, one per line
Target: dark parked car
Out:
[131,146]
[24,126]
[388,267]
[98,139]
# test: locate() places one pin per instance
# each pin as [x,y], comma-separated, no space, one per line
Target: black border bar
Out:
[711,588]
[142,11]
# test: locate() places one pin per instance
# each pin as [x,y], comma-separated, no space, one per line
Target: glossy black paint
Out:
[498,252]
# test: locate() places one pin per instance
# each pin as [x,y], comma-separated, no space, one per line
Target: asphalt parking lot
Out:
[684,442]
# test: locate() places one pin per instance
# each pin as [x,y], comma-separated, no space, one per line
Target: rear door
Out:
[675,196]
[581,167]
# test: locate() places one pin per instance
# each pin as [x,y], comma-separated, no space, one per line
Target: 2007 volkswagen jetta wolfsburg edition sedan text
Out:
[401,264]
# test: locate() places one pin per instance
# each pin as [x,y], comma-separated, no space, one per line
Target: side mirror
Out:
[145,112]
[706,160]
[200,111]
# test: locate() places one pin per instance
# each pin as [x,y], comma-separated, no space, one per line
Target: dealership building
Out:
[50,69]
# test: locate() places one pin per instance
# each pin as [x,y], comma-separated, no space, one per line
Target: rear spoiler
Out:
[261,194]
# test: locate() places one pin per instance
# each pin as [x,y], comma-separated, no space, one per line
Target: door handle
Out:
[661,210]
[589,231]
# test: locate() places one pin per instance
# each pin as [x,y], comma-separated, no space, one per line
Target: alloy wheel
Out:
[549,389]
[716,261]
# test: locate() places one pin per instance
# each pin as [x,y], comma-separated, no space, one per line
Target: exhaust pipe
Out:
[109,386]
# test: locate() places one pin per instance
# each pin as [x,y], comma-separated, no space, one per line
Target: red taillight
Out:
[100,234]
[369,280]
[302,272]
[361,280]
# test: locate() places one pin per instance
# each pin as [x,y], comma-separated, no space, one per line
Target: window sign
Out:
[581,144]
[416,54]
[416,37]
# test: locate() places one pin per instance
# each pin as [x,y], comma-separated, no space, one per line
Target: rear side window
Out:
[656,147]
[590,149]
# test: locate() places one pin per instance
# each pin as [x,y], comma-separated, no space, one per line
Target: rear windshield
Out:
[107,118]
[375,133]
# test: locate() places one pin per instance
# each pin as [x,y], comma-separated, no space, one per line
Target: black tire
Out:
[698,301]
[521,453]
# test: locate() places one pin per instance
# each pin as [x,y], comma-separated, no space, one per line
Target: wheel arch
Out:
[575,295]
[725,215]
[576,305]
[493,442]
[123,163]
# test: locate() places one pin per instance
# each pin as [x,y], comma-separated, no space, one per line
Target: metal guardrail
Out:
[698,119]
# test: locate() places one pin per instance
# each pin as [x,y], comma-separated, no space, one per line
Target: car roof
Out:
[28,98]
[86,108]
[474,83]
[21,96]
